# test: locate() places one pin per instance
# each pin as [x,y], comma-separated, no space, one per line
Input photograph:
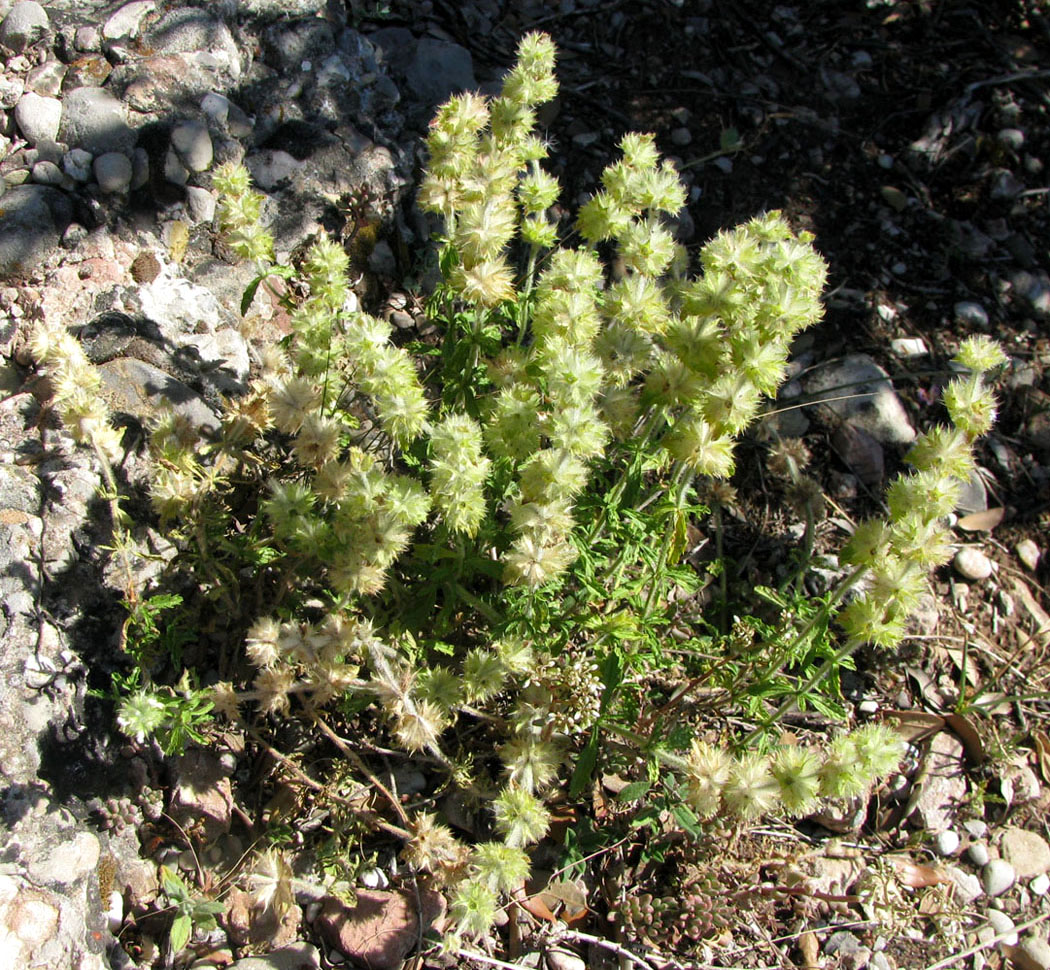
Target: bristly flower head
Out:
[521,817]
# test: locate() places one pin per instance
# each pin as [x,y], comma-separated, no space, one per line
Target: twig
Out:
[574,936]
[987,944]
[361,766]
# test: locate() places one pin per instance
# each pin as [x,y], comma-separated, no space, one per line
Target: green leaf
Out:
[173,886]
[180,932]
[581,774]
[687,820]
[634,791]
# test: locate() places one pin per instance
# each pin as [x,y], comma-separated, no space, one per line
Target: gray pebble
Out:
[87,39]
[971,314]
[947,842]
[48,173]
[25,24]
[1029,554]
[113,172]
[127,21]
[191,141]
[1012,138]
[76,163]
[1001,923]
[38,117]
[681,136]
[978,853]
[200,204]
[46,79]
[998,877]
[174,170]
[972,564]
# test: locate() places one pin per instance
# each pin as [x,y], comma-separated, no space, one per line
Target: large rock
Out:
[35,216]
[143,390]
[859,391]
[25,24]
[439,68]
[38,117]
[95,120]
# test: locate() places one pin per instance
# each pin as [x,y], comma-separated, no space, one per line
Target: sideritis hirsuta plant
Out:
[483,542]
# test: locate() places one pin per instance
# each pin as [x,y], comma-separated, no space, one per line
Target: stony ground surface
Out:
[910,137]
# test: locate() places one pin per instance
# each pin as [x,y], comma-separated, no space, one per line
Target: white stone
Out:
[909,347]
[127,21]
[1040,885]
[998,877]
[947,842]
[1033,954]
[200,204]
[191,141]
[971,563]
[24,24]
[1029,554]
[38,117]
[978,854]
[1001,923]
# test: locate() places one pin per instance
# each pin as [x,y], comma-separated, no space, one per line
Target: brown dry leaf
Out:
[967,733]
[915,725]
[1042,754]
[981,521]
[914,874]
[809,947]
[924,682]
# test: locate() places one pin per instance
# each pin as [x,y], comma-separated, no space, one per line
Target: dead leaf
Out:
[981,521]
[914,874]
[915,725]
[967,733]
[809,947]
[1042,753]
[922,680]
[1041,635]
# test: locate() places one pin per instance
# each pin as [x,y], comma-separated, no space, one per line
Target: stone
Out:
[1040,885]
[46,79]
[1006,185]
[113,172]
[564,960]
[66,862]
[202,795]
[976,828]
[143,390]
[1001,925]
[174,170]
[90,71]
[200,204]
[972,564]
[38,117]
[193,31]
[35,217]
[971,314]
[945,789]
[1032,954]
[909,347]
[947,842]
[1026,851]
[87,39]
[192,143]
[48,173]
[271,169]
[381,260]
[298,956]
[76,163]
[95,120]
[127,21]
[978,854]
[1011,138]
[865,398]
[973,496]
[1029,554]
[24,25]
[860,451]
[966,886]
[438,69]
[380,931]
[998,877]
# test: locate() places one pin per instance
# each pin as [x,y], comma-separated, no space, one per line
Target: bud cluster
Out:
[674,920]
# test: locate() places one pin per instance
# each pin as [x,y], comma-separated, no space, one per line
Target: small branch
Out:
[574,936]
